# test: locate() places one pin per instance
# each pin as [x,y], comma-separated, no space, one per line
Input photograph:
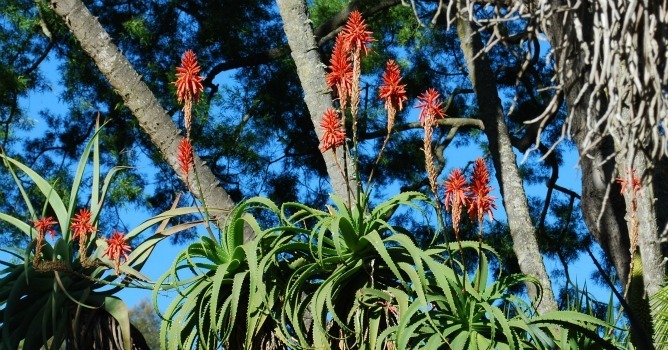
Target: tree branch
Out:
[452,122]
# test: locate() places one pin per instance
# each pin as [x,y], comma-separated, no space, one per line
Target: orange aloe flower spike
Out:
[45,225]
[81,224]
[480,200]
[188,81]
[355,34]
[392,91]
[333,135]
[430,105]
[340,74]
[185,157]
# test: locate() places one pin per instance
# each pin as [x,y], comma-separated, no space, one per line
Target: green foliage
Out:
[221,298]
[61,296]
[322,10]
[347,278]
[659,305]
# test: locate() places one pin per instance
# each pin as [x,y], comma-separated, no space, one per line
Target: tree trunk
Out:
[575,68]
[305,53]
[603,208]
[153,119]
[610,230]
[515,202]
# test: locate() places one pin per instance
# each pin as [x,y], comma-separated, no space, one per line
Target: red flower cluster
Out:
[340,76]
[480,200]
[455,196]
[188,81]
[392,91]
[456,189]
[633,186]
[475,196]
[333,135]
[185,157]
[43,226]
[116,247]
[355,35]
[430,103]
[81,224]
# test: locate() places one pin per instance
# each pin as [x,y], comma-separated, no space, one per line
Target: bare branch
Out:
[455,123]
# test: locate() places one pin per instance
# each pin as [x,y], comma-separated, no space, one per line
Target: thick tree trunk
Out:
[649,245]
[515,202]
[606,220]
[603,209]
[137,97]
[304,51]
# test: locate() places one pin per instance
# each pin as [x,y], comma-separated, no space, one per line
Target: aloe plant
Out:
[59,294]
[222,300]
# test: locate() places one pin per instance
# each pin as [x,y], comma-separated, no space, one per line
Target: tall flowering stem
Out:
[430,104]
[631,185]
[356,39]
[480,201]
[188,89]
[456,199]
[42,226]
[82,227]
[394,94]
[188,85]
[333,136]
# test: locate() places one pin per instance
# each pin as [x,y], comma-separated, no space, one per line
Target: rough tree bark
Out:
[311,71]
[515,202]
[604,213]
[153,119]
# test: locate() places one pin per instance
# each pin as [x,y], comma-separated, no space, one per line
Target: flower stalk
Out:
[82,227]
[42,226]
[430,104]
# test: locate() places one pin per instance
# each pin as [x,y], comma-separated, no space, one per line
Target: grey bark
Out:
[649,245]
[604,209]
[153,119]
[515,202]
[311,71]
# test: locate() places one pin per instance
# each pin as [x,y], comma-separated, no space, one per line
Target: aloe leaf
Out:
[160,217]
[25,228]
[139,255]
[116,308]
[22,190]
[377,242]
[45,187]
[97,202]
[81,168]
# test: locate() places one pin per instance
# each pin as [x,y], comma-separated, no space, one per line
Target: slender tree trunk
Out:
[304,51]
[137,97]
[505,164]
